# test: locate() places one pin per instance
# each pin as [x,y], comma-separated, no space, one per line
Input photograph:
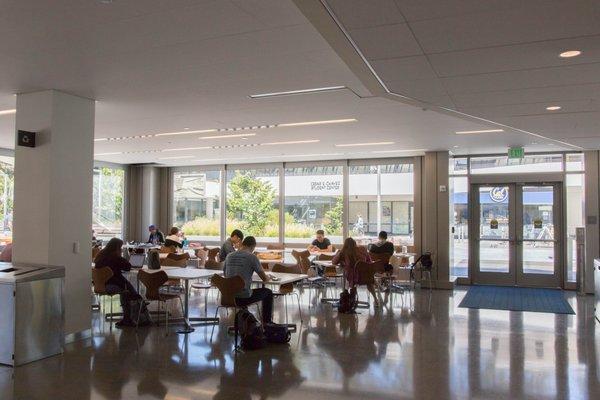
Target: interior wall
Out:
[592,215]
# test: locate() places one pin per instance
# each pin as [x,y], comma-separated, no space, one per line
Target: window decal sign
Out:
[499,194]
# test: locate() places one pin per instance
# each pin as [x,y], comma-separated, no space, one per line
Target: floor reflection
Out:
[417,347]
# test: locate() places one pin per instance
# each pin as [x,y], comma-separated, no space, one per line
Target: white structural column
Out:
[435,206]
[53,194]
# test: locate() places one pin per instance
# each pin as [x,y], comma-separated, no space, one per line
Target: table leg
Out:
[187,328]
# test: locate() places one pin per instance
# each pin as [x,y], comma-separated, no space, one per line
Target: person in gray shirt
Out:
[231,244]
[244,263]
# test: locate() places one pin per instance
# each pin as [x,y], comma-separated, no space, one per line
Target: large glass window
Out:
[575,219]
[505,165]
[107,212]
[459,226]
[253,202]
[381,197]
[6,198]
[313,200]
[197,204]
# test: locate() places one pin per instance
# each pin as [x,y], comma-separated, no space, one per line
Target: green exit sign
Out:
[516,152]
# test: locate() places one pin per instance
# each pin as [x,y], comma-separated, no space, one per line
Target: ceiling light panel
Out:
[295,92]
[235,135]
[479,131]
[363,144]
[8,112]
[291,142]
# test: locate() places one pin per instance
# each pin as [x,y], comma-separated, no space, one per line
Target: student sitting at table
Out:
[321,243]
[156,236]
[382,250]
[244,263]
[175,238]
[347,258]
[110,256]
[231,244]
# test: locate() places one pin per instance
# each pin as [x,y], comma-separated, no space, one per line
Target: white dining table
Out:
[186,275]
[283,278]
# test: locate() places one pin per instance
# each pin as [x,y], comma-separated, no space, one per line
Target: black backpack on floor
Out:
[250,331]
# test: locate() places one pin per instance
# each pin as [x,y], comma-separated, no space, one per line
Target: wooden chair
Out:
[95,251]
[324,257]
[228,287]
[212,254]
[206,285]
[100,277]
[153,282]
[287,289]
[167,249]
[383,257]
[302,259]
[366,276]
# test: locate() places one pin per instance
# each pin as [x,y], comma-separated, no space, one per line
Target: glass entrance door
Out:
[516,232]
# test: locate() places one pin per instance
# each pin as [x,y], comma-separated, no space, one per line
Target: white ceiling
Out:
[156,66]
[493,59]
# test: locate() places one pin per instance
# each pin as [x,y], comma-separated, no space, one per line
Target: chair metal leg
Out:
[167,317]
[299,309]
[213,328]
[111,311]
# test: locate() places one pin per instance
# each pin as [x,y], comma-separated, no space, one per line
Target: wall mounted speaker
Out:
[26,139]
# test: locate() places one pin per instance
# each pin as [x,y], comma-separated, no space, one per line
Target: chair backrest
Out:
[167,249]
[302,259]
[292,269]
[152,282]
[170,262]
[324,257]
[275,246]
[212,254]
[366,272]
[383,257]
[213,264]
[95,251]
[99,278]
[228,287]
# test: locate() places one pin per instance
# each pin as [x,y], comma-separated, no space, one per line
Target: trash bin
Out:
[31,312]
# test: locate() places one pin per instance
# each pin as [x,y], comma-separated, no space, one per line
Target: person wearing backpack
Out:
[244,263]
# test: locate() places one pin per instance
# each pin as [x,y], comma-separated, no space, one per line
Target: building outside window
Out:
[108,193]
[253,202]
[314,200]
[197,204]
[6,198]
[381,197]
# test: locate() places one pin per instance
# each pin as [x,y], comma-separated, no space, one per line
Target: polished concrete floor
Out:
[426,348]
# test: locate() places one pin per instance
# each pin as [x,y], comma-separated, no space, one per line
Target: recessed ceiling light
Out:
[456,146]
[236,135]
[293,92]
[363,144]
[188,148]
[479,131]
[553,108]
[185,132]
[290,142]
[186,129]
[175,158]
[570,53]
[108,154]
[7,112]
[308,123]
[399,151]
[100,139]
[534,142]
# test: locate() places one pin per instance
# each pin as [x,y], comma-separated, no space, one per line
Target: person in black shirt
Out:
[156,236]
[321,243]
[382,246]
[110,256]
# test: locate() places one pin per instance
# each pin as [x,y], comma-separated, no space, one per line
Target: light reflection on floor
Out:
[427,348]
